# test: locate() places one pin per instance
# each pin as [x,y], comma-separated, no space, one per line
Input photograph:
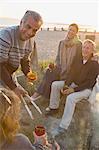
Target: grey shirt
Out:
[13,52]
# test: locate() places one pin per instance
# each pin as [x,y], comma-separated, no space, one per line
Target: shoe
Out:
[49,111]
[58,131]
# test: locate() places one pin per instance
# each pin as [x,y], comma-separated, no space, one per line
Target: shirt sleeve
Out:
[91,78]
[6,77]
[25,62]
[25,65]
[57,61]
[5,44]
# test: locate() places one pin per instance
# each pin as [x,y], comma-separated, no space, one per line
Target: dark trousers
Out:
[45,86]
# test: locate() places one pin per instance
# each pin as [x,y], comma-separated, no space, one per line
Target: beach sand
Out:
[47,44]
[79,131]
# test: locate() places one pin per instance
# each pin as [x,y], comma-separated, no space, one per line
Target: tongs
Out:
[27,108]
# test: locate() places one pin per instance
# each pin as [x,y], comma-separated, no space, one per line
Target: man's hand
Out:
[67,91]
[20,91]
[51,66]
[32,76]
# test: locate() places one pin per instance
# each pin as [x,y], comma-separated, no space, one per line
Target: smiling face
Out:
[28,28]
[72,31]
[87,50]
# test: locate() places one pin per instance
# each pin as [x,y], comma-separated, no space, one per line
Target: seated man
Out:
[69,50]
[78,86]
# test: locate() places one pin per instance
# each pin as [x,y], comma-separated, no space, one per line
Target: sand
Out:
[47,43]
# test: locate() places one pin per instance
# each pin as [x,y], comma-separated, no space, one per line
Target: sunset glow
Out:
[83,12]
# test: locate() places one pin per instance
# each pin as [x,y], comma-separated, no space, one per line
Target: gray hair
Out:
[36,16]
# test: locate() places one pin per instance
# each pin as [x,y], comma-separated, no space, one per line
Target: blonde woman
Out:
[9,123]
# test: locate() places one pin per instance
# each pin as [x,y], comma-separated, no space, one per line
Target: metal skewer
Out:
[27,108]
[37,108]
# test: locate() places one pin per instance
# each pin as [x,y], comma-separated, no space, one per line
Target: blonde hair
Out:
[9,114]
[90,42]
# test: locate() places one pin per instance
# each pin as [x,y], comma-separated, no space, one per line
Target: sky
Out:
[83,12]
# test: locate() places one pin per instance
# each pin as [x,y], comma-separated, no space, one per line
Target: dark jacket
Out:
[84,75]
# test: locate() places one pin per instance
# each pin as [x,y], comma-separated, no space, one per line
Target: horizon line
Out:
[45,22]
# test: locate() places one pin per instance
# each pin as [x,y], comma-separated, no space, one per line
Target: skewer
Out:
[37,108]
[27,108]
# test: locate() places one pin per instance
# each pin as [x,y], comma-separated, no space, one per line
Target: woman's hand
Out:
[67,91]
